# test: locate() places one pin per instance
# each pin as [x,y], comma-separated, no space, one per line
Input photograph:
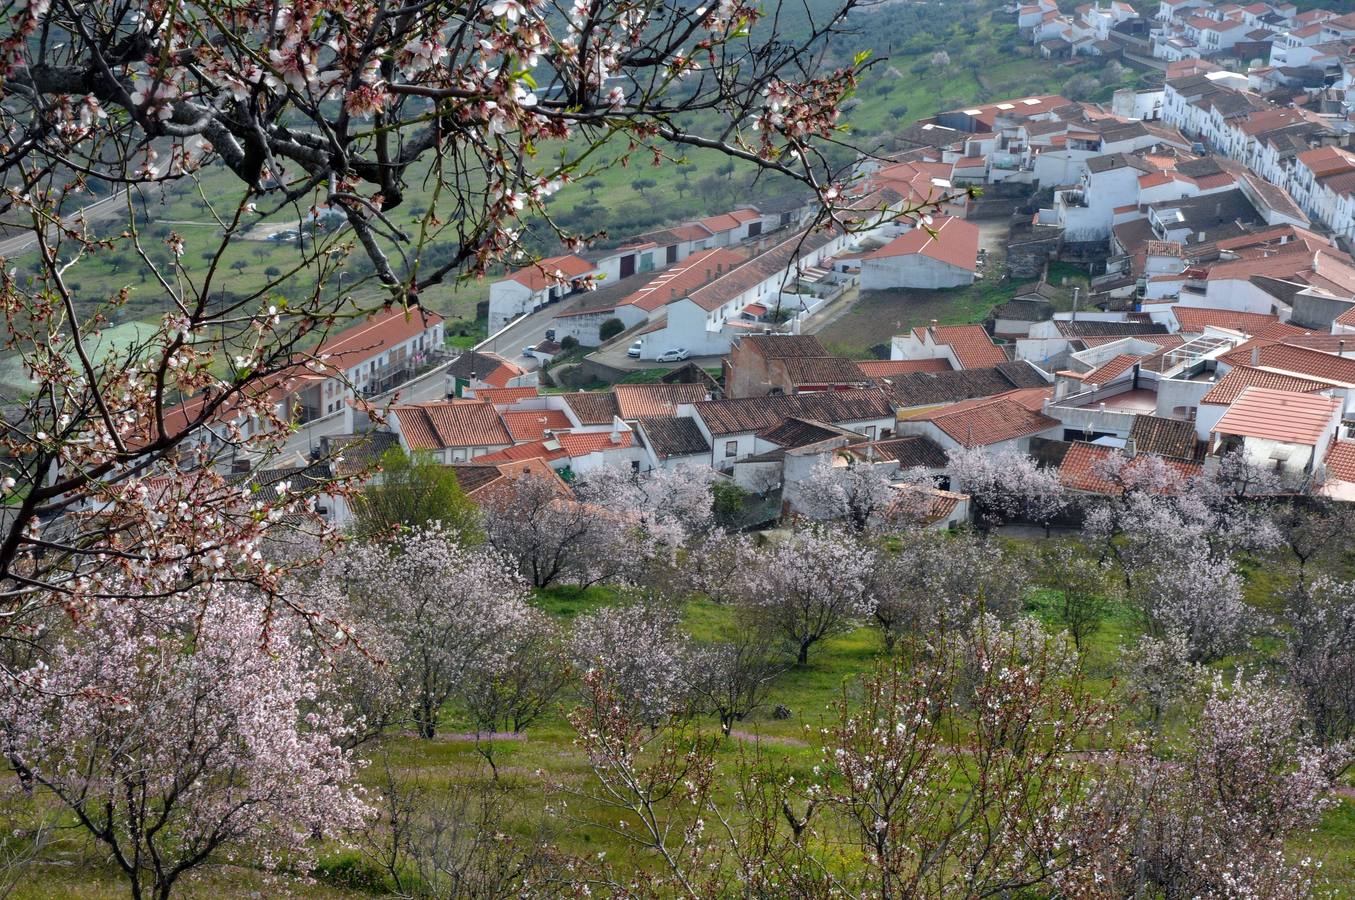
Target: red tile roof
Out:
[506,396]
[532,424]
[434,426]
[884,368]
[1340,461]
[646,400]
[551,270]
[1296,361]
[1241,377]
[581,443]
[989,420]
[1279,416]
[952,241]
[1081,469]
[730,220]
[532,450]
[375,335]
[973,348]
[681,279]
[1194,319]
[1109,370]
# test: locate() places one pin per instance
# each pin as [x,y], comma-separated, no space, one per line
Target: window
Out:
[869,432]
[731,449]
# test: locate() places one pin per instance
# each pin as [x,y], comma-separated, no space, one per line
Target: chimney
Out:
[708,273]
[719,267]
[1131,447]
[615,436]
[1255,356]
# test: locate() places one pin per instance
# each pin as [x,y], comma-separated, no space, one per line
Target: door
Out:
[672,254]
[754,229]
[627,265]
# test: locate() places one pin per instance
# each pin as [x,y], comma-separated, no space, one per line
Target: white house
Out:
[1281,431]
[942,256]
[532,287]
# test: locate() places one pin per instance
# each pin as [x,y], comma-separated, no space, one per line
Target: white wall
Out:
[912,271]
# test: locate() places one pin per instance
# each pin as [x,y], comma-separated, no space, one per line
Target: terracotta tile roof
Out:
[1340,461]
[752,414]
[374,336]
[637,400]
[1279,416]
[1297,361]
[1347,317]
[831,370]
[506,396]
[518,452]
[1322,269]
[434,426]
[670,436]
[581,443]
[593,408]
[548,271]
[681,279]
[1240,377]
[490,368]
[730,220]
[955,243]
[781,260]
[1165,437]
[911,451]
[973,347]
[1112,368]
[532,424]
[883,368]
[1081,468]
[1194,319]
[988,420]
[783,346]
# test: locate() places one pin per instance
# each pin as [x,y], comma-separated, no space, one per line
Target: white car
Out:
[677,354]
[529,350]
[634,351]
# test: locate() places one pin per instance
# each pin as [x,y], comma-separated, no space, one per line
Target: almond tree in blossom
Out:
[1216,816]
[936,583]
[639,655]
[1007,484]
[1320,655]
[554,537]
[857,495]
[947,804]
[1174,551]
[441,610]
[175,736]
[665,506]
[813,584]
[284,111]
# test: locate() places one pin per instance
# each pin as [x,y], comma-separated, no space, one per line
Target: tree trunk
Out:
[803,657]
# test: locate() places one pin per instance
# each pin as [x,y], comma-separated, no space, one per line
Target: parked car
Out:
[634,350]
[529,350]
[550,334]
[677,354]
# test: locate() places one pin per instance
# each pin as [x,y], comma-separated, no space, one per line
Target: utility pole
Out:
[1076,290]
